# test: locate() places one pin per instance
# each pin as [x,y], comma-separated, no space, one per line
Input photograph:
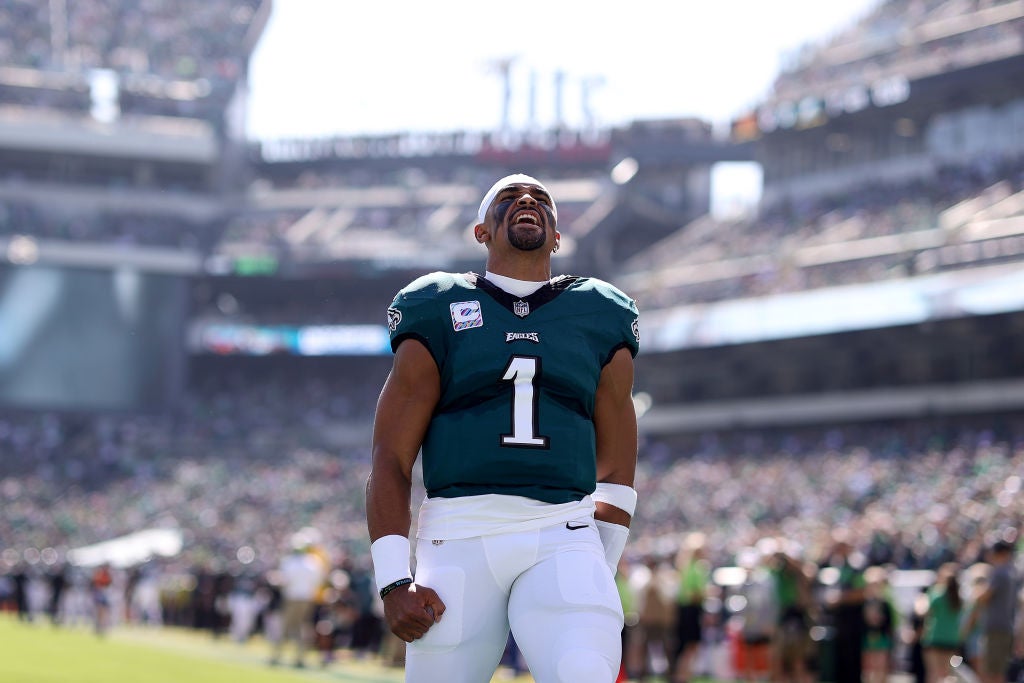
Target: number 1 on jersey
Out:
[523,371]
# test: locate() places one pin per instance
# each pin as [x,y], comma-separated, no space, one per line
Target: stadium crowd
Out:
[762,256]
[244,463]
[902,37]
[106,227]
[147,43]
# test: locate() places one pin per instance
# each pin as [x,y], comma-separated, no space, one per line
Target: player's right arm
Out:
[404,408]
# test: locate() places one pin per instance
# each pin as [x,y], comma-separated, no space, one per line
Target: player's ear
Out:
[481,233]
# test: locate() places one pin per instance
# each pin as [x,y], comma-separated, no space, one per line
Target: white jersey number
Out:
[523,371]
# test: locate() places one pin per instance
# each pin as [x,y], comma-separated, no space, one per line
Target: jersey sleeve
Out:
[623,319]
[414,314]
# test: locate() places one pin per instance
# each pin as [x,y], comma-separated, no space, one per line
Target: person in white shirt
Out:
[302,574]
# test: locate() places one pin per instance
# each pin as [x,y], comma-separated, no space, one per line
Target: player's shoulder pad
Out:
[420,309]
[617,308]
[608,291]
[431,285]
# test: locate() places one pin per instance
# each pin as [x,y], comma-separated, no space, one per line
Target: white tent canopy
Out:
[129,550]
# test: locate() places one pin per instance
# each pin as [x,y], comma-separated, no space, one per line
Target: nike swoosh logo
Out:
[574,528]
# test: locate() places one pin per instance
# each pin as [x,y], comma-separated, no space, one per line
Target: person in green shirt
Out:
[694,576]
[791,637]
[941,639]
[879,626]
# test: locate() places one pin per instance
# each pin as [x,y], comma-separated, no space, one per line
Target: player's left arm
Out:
[616,432]
[615,425]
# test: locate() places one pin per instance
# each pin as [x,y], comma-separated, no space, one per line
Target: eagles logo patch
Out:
[522,336]
[636,328]
[394,318]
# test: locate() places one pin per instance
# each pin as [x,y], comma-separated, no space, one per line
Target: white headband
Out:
[514,179]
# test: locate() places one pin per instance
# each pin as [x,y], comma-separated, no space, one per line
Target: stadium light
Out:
[642,403]
[624,171]
[22,250]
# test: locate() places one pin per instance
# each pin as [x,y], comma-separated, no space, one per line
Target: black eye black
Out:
[541,199]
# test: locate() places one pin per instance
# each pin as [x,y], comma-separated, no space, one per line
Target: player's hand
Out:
[411,610]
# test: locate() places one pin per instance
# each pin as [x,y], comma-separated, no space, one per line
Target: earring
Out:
[555,249]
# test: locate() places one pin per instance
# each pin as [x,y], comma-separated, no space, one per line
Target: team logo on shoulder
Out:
[466,315]
[636,328]
[394,318]
[521,308]
[522,336]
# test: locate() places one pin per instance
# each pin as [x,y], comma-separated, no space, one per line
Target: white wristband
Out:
[619,495]
[613,538]
[390,559]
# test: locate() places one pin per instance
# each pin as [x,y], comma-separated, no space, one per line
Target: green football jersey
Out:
[518,380]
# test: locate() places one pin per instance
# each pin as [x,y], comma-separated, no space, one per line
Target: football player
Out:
[516,386]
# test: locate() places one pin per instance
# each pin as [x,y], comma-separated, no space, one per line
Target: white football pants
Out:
[551,586]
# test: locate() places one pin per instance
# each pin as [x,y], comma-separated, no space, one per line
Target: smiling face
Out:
[525,212]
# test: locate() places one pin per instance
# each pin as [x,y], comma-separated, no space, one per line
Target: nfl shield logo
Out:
[521,308]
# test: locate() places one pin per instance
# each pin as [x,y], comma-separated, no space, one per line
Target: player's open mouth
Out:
[526,217]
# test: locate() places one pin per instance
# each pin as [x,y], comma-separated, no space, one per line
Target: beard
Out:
[526,239]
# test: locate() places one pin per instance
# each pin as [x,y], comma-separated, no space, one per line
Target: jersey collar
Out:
[522,306]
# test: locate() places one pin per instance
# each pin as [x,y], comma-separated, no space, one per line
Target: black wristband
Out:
[392,586]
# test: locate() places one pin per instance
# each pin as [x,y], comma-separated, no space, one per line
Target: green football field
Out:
[41,653]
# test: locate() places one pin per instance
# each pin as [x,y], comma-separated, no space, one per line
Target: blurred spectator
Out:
[941,639]
[512,659]
[58,582]
[367,627]
[760,614]
[791,636]
[628,599]
[970,626]
[694,572]
[879,626]
[1002,637]
[144,601]
[846,606]
[303,573]
[20,579]
[206,600]
[654,583]
[268,593]
[101,585]
[243,606]
[913,634]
